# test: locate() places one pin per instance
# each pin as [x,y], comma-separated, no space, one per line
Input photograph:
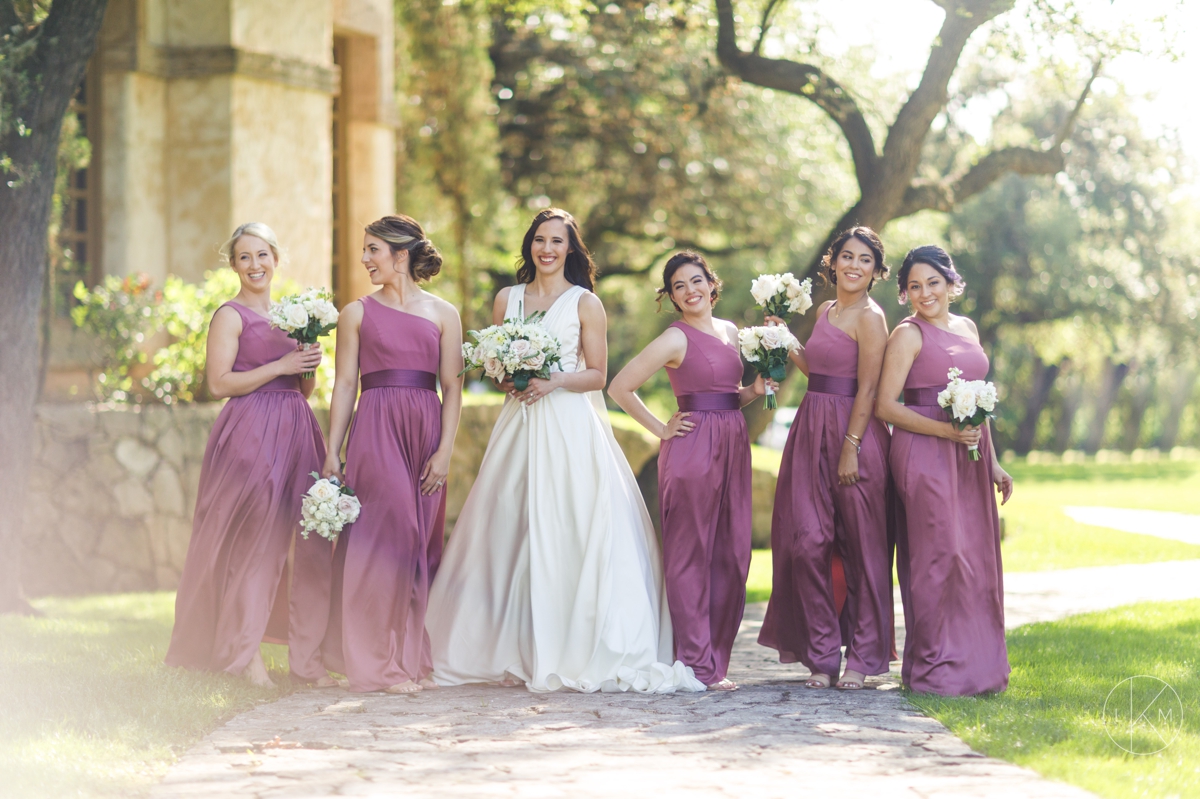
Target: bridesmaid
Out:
[703,467]
[404,340]
[256,469]
[832,493]
[948,559]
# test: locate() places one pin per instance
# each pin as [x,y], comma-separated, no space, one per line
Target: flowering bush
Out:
[117,315]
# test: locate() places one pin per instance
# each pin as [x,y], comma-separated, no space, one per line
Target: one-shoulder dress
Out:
[948,549]
[256,468]
[704,497]
[386,559]
[815,516]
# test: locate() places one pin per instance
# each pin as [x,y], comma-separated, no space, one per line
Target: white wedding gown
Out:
[553,574]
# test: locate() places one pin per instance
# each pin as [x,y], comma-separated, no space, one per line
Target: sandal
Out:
[406,687]
[723,685]
[851,683]
[817,681]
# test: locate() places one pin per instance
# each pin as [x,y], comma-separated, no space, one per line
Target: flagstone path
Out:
[772,738]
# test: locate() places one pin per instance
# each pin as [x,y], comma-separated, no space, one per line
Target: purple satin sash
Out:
[709,402]
[281,383]
[828,384]
[922,396]
[399,378]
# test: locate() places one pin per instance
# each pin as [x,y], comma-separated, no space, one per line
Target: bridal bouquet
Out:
[782,295]
[327,508]
[523,350]
[305,317]
[767,349]
[970,402]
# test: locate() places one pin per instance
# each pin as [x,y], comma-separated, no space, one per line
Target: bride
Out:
[552,576]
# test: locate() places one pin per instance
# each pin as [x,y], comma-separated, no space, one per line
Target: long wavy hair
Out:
[868,237]
[579,269]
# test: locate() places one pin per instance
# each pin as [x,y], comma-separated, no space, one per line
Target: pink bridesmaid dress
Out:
[948,557]
[705,497]
[815,518]
[255,471]
[385,561]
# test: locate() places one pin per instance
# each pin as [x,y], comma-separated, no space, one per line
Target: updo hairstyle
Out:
[868,237]
[579,269]
[674,264]
[252,229]
[937,258]
[405,233]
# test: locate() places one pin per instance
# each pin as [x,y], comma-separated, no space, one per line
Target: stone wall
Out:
[113,490]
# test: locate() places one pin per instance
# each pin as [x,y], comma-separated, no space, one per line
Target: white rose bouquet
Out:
[327,507]
[767,349]
[523,350]
[970,403]
[305,317]
[782,295]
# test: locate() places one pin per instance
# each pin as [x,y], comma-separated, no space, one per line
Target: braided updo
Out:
[405,233]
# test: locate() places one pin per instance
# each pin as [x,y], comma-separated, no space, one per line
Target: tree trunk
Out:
[1072,400]
[1181,397]
[1143,395]
[64,44]
[1044,375]
[1114,376]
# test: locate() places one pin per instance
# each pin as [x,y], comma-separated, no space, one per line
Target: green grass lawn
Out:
[86,706]
[1051,719]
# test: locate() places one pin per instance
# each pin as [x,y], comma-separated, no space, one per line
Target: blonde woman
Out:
[256,469]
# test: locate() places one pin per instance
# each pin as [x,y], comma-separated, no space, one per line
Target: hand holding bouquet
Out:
[305,317]
[522,350]
[970,403]
[782,295]
[767,350]
[327,507]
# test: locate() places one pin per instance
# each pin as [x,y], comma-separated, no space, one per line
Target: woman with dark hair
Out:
[552,577]
[404,341]
[832,493]
[703,467]
[948,550]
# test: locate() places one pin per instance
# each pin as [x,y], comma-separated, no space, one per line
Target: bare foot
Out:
[851,680]
[817,681]
[256,672]
[428,684]
[406,687]
[723,685]
[326,682]
[510,681]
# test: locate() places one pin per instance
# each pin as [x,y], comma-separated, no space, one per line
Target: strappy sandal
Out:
[724,685]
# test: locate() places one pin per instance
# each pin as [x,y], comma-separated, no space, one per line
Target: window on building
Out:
[77,256]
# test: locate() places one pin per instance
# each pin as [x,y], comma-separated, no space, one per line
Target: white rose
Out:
[323,491]
[963,406]
[764,287]
[348,507]
[986,396]
[520,349]
[770,338]
[296,317]
[493,368]
[943,397]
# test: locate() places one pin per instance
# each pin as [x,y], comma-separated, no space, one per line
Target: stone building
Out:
[203,114]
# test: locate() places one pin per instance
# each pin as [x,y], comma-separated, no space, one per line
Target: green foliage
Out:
[117,315]
[1051,718]
[184,315]
[87,707]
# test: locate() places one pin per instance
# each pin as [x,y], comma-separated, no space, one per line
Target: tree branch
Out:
[943,195]
[1068,125]
[764,25]
[802,80]
[946,194]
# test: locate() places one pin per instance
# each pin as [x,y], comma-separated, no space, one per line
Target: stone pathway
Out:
[773,738]
[1162,524]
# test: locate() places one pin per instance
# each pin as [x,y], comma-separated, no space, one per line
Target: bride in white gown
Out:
[553,576]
